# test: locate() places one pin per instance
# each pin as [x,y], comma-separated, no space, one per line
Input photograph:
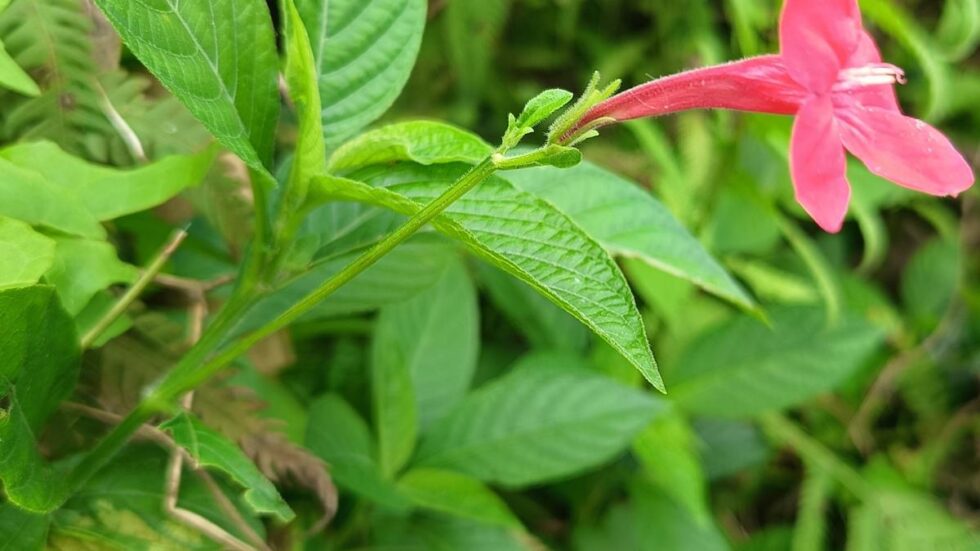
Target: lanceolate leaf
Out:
[629,222]
[364,51]
[39,361]
[434,337]
[109,193]
[902,520]
[82,268]
[542,106]
[21,529]
[422,142]
[210,449]
[446,533]
[538,423]
[26,253]
[338,435]
[624,219]
[525,236]
[667,450]
[666,524]
[310,158]
[744,368]
[423,357]
[122,507]
[218,57]
[27,196]
[393,395]
[456,494]
[546,326]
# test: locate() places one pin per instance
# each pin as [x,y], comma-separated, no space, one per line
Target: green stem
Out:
[217,330]
[252,274]
[180,381]
[106,449]
[815,453]
[537,157]
[190,371]
[119,308]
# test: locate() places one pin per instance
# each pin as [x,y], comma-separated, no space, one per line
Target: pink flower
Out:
[830,75]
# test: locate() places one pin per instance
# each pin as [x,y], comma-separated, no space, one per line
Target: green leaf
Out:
[524,236]
[364,52]
[930,281]
[310,158]
[665,524]
[26,254]
[13,77]
[667,450]
[109,193]
[445,533]
[408,270]
[542,106]
[436,334]
[457,495]
[423,359]
[82,268]
[122,507]
[340,437]
[422,142]
[22,531]
[728,447]
[210,449]
[902,520]
[629,222]
[39,361]
[742,222]
[27,196]
[396,415]
[744,368]
[651,521]
[538,423]
[545,325]
[218,57]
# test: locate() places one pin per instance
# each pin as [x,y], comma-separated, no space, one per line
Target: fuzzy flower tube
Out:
[830,76]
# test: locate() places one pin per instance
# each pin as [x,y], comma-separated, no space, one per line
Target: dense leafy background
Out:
[478,388]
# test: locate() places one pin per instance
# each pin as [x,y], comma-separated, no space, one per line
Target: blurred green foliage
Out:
[828,400]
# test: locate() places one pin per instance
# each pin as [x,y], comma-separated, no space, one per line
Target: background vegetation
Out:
[827,400]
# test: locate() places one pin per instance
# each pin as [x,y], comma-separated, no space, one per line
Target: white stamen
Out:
[875,74]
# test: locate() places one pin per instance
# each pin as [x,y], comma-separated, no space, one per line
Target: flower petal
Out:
[758,84]
[817,38]
[883,96]
[904,150]
[819,165]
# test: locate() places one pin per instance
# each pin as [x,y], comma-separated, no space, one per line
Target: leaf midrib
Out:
[211,64]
